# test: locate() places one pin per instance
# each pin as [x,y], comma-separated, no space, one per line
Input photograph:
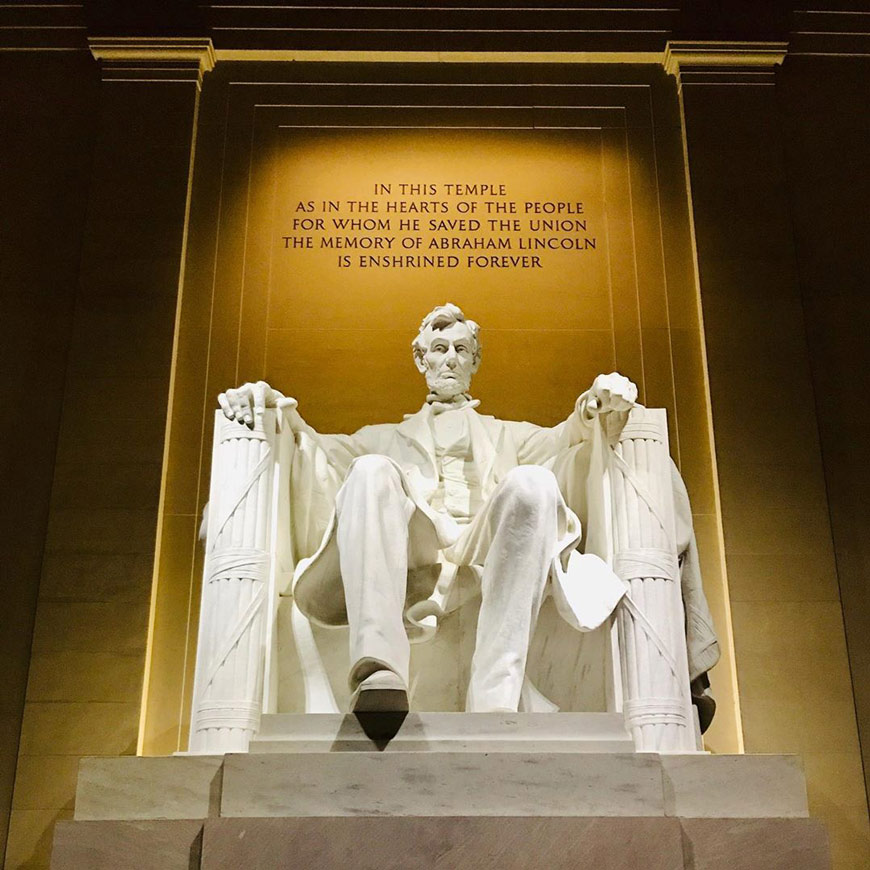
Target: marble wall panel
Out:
[826,151]
[47,782]
[89,675]
[168,639]
[91,625]
[792,664]
[47,107]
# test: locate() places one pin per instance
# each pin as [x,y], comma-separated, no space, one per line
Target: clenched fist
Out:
[613,392]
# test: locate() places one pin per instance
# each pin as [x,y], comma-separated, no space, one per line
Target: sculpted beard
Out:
[442,384]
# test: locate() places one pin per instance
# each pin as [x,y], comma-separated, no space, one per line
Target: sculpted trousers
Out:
[514,537]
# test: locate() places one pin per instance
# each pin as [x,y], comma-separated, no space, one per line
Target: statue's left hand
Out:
[613,392]
[248,401]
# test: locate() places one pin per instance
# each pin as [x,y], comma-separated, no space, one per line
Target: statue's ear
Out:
[421,365]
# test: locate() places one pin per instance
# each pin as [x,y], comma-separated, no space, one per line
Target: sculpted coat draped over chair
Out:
[465,501]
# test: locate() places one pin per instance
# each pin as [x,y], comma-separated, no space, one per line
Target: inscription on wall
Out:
[472,224]
[519,224]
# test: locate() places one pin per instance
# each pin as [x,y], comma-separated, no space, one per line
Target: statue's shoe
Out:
[382,692]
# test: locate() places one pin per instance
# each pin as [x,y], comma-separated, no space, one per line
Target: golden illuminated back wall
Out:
[327,219]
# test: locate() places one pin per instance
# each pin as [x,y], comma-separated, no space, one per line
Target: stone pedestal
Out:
[523,796]
[513,843]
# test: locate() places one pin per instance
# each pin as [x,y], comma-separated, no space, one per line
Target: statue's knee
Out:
[532,477]
[530,486]
[373,469]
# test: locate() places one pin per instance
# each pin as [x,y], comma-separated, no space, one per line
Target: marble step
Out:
[535,783]
[429,783]
[453,732]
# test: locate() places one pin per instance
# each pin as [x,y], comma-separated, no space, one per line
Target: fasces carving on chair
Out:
[395,526]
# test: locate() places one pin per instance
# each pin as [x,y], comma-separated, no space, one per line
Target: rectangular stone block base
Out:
[395,843]
[530,783]
[145,845]
[473,843]
[418,809]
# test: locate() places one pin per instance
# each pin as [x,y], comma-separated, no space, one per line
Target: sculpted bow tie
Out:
[463,400]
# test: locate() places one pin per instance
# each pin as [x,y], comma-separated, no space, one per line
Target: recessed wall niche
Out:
[554,211]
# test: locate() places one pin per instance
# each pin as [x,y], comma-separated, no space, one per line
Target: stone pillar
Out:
[237,594]
[790,651]
[652,639]
[91,627]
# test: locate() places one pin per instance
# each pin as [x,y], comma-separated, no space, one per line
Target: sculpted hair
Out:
[443,317]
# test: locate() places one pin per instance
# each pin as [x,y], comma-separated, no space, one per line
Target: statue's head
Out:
[447,351]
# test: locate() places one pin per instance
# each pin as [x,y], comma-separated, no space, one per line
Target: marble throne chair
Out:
[259,657]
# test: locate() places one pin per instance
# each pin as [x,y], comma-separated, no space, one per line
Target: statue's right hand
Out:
[248,401]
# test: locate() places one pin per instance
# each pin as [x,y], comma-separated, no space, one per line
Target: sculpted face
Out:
[449,361]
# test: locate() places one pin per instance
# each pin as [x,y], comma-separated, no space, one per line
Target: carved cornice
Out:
[153,59]
[507,26]
[723,63]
